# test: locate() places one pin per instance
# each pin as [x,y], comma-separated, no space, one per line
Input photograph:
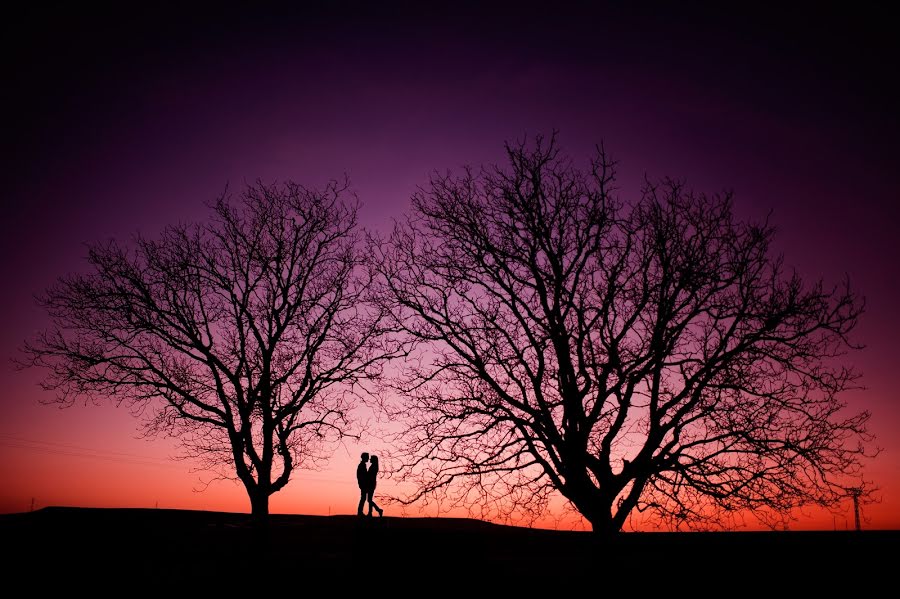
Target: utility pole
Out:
[855,493]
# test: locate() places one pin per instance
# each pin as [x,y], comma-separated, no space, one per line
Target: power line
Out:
[72,450]
[79,447]
[80,451]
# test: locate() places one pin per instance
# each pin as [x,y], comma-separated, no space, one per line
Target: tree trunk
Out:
[599,513]
[259,505]
[604,527]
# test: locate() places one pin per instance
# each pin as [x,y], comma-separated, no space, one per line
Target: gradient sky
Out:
[120,123]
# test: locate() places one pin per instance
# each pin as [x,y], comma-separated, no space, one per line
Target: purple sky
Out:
[120,123]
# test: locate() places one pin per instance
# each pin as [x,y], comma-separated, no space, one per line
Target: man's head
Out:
[364,457]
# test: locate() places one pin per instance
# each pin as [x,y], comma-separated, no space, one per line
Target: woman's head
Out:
[373,460]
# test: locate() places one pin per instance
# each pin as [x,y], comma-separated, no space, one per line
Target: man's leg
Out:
[362,501]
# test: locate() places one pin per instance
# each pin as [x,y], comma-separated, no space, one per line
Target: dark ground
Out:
[134,550]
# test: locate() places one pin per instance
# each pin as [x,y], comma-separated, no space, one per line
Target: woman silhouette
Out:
[370,489]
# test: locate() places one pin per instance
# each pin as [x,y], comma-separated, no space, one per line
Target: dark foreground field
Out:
[153,548]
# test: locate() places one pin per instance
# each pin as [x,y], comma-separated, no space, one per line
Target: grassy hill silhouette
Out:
[177,546]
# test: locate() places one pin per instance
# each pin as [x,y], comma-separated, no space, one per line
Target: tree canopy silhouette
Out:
[244,336]
[651,355]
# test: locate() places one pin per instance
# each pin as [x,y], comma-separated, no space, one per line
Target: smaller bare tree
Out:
[246,337]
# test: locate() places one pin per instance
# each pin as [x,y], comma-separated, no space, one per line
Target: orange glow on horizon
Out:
[96,460]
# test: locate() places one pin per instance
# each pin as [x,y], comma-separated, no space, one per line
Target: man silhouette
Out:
[362,479]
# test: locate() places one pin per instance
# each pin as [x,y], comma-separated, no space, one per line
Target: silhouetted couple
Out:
[367,477]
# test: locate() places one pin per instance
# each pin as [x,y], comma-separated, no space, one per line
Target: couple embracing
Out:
[366,477]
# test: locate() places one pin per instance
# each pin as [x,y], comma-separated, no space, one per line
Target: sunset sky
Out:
[119,123]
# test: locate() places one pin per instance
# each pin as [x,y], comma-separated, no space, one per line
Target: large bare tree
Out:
[651,355]
[245,336]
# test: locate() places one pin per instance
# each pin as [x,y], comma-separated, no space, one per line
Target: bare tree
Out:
[652,355]
[246,336]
